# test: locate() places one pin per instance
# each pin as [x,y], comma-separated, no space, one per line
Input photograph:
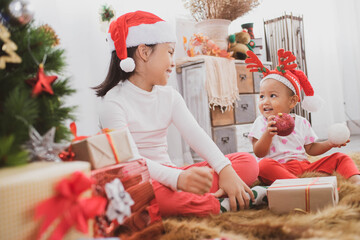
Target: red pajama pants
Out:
[173,203]
[270,169]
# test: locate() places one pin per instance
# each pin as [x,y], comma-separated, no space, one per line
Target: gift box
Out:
[128,189]
[106,149]
[23,188]
[304,194]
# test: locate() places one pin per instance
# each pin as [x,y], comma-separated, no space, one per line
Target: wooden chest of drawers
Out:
[228,129]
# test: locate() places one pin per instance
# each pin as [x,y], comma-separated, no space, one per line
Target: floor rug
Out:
[339,222]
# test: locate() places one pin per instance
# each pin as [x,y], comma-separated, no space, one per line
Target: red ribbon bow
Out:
[69,155]
[73,130]
[67,206]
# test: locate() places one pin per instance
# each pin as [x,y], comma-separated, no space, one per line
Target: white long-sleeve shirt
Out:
[148,116]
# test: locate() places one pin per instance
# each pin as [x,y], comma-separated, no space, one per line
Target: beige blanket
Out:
[221,82]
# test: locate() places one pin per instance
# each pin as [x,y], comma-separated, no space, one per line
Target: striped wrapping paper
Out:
[135,178]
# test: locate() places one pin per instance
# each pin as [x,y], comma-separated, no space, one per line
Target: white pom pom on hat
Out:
[133,29]
[312,103]
[127,65]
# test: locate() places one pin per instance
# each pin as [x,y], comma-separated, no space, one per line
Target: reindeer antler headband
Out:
[286,73]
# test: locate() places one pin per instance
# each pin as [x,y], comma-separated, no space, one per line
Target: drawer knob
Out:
[242,77]
[225,139]
[246,134]
[244,106]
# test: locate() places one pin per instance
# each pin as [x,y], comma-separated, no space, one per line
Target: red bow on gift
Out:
[73,129]
[67,206]
[69,155]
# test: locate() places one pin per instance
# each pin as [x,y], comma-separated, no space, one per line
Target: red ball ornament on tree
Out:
[285,124]
[41,83]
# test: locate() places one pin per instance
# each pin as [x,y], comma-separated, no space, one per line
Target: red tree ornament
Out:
[41,83]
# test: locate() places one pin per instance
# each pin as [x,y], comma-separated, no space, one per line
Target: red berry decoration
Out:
[285,124]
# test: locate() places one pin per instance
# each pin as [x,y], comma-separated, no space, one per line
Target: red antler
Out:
[284,59]
[256,65]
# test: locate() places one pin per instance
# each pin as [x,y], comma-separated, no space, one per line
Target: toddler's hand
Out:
[339,145]
[271,130]
[197,180]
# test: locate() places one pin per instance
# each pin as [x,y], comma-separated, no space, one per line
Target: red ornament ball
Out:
[285,124]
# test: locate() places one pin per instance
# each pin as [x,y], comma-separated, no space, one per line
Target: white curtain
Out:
[348,41]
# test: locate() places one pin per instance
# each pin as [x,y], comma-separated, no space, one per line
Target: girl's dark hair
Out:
[115,73]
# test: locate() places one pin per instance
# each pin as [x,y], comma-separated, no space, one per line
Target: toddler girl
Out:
[285,157]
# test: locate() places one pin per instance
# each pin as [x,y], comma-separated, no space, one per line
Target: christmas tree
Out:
[32,89]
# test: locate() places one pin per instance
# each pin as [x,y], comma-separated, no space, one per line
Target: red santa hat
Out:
[133,29]
[286,73]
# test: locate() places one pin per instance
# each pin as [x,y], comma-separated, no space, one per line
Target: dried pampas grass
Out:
[219,9]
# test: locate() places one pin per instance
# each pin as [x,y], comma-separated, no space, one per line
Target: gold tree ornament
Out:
[46,28]
[8,47]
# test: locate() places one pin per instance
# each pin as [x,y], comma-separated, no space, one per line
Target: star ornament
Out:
[41,83]
[43,148]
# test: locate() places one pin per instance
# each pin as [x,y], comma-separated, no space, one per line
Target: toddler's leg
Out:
[338,162]
[270,170]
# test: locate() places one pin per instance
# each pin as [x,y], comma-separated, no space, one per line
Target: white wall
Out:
[78,27]
[332,34]
[331,37]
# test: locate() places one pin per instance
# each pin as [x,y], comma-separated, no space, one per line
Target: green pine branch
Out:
[18,108]
[10,155]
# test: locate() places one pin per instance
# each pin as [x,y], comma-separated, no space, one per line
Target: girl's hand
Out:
[196,180]
[271,130]
[232,185]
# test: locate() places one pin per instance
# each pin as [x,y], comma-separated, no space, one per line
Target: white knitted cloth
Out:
[221,82]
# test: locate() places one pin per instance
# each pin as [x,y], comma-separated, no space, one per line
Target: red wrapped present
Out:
[128,188]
